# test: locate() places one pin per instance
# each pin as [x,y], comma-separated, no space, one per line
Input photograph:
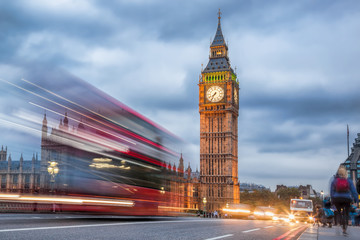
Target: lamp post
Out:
[53,170]
[322,195]
[204,202]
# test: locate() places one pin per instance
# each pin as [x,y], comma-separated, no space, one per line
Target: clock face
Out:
[235,97]
[215,94]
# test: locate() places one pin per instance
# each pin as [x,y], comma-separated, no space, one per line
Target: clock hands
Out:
[215,94]
[212,97]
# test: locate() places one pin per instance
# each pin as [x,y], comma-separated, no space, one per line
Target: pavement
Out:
[325,233]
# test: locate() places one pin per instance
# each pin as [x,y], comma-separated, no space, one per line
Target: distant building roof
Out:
[251,187]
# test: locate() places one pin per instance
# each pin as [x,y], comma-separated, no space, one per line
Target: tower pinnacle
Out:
[219,38]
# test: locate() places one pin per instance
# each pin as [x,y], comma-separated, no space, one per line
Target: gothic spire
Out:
[44,128]
[219,38]
[181,163]
[218,60]
[66,121]
[44,120]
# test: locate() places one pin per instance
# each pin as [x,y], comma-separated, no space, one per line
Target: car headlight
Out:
[270,214]
[291,216]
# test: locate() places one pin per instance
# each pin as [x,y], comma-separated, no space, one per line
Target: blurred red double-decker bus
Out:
[108,158]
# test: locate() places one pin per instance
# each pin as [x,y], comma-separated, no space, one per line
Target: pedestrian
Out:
[353,214]
[328,213]
[357,217]
[336,215]
[342,193]
[215,214]
[318,215]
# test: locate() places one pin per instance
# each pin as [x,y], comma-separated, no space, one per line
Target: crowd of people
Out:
[342,206]
[214,214]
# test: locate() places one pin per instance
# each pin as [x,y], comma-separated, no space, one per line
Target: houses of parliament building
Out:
[217,182]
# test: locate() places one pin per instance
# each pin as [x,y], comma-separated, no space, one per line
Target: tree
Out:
[288,193]
[263,197]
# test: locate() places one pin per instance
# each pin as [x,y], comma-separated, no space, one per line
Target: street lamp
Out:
[204,202]
[322,195]
[53,170]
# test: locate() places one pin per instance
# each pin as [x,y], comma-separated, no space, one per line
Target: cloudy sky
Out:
[297,64]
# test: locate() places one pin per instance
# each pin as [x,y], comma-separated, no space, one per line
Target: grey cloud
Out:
[302,41]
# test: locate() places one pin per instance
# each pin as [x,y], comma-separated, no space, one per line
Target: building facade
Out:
[305,191]
[219,110]
[21,176]
[352,163]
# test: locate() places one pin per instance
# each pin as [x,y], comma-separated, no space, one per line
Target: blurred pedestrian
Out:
[357,217]
[336,215]
[352,214]
[328,213]
[318,215]
[342,193]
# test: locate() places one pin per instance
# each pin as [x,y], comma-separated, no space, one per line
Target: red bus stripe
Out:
[287,233]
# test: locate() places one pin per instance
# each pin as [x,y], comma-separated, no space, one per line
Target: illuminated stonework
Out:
[219,128]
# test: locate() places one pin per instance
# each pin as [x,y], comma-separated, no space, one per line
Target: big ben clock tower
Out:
[219,111]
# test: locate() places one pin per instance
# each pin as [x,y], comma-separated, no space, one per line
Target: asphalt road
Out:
[70,226]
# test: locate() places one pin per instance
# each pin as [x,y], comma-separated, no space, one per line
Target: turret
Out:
[33,160]
[3,154]
[61,124]
[188,170]
[9,163]
[44,129]
[21,163]
[169,167]
[66,122]
[181,166]
[81,126]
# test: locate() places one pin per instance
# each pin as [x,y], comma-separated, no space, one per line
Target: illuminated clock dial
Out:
[235,97]
[215,94]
